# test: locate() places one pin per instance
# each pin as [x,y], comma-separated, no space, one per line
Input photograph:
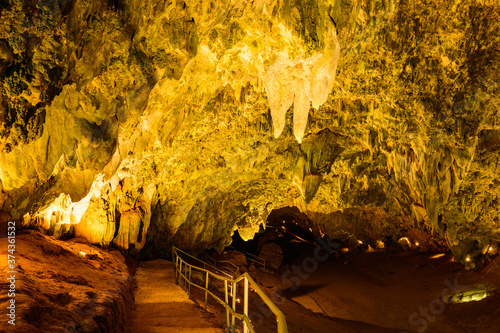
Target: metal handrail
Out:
[234,269]
[256,259]
[183,270]
[252,257]
[205,264]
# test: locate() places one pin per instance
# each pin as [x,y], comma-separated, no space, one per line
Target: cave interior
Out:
[341,156]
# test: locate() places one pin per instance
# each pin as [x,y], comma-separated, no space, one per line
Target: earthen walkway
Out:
[163,307]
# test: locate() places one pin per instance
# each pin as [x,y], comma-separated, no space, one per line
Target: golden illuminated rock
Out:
[197,118]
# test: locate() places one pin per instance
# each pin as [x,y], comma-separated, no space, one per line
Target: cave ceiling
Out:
[145,124]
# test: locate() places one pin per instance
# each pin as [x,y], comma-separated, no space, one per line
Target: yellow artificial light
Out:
[439,255]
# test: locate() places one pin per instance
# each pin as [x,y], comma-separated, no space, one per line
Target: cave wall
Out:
[143,125]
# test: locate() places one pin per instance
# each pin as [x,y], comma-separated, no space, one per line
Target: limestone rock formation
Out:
[272,254]
[67,286]
[148,124]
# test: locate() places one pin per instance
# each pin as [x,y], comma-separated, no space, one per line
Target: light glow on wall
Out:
[63,211]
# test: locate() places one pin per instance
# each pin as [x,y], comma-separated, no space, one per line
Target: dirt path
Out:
[163,307]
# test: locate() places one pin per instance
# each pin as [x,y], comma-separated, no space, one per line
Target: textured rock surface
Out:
[66,286]
[272,254]
[171,122]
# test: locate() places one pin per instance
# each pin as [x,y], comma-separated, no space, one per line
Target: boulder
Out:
[272,254]
[237,258]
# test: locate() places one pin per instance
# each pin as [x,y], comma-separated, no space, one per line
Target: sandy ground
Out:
[404,291]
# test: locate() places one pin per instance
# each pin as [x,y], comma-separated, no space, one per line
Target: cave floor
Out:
[72,286]
[164,307]
[401,291]
[64,286]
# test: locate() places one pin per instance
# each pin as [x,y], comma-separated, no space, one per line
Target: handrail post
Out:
[245,305]
[206,290]
[177,271]
[234,305]
[180,272]
[226,299]
[189,286]
[185,276]
[176,263]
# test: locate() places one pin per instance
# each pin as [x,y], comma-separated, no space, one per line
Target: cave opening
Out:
[285,231]
[287,236]
[292,239]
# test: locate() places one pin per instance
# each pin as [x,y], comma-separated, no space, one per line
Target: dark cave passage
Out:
[292,231]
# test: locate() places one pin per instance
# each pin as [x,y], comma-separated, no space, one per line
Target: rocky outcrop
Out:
[272,254]
[145,125]
[68,286]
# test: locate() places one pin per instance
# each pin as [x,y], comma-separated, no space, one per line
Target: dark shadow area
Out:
[296,291]
[249,246]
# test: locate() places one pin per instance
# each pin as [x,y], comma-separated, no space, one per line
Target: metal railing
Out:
[223,264]
[256,260]
[184,273]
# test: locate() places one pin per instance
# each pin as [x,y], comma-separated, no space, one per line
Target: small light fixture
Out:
[360,242]
[417,244]
[439,255]
[467,259]
[238,300]
[490,249]
[82,253]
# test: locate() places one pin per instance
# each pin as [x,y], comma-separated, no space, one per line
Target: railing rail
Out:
[184,274]
[205,264]
[253,258]
[235,270]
